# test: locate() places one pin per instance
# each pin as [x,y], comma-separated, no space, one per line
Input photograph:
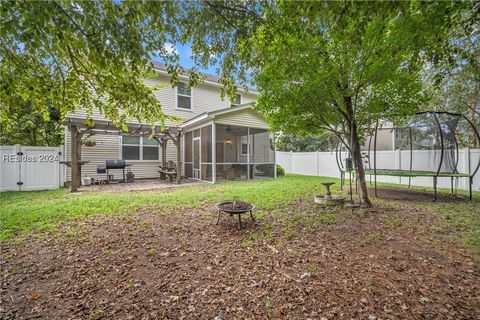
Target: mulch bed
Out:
[184,267]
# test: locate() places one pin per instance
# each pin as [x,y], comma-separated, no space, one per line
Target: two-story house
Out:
[217,140]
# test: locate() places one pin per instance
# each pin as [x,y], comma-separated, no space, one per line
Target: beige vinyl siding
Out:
[248,97]
[82,114]
[243,118]
[108,148]
[205,98]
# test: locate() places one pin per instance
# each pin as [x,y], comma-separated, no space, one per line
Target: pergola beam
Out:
[79,128]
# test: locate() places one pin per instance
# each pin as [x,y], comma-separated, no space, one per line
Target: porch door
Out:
[196,158]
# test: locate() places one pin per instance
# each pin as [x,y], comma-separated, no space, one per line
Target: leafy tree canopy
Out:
[29,127]
[453,76]
[84,54]
[320,66]
[331,66]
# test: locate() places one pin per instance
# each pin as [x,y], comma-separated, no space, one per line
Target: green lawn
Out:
[25,212]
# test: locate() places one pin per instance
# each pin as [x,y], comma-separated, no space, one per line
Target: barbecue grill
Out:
[113,164]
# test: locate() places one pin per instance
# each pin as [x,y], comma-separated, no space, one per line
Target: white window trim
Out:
[141,145]
[232,104]
[184,95]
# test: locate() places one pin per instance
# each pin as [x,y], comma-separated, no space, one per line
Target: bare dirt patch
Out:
[293,264]
[417,194]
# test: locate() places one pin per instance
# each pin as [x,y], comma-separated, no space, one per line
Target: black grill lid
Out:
[115,164]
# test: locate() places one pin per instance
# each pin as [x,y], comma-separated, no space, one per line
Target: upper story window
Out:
[184,96]
[139,148]
[238,100]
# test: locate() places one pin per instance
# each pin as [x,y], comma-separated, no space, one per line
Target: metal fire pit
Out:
[235,207]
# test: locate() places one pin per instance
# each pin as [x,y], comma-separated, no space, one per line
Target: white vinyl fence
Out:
[30,168]
[325,164]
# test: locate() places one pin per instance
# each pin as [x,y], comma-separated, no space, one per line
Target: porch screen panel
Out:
[206,152]
[263,154]
[231,152]
[188,155]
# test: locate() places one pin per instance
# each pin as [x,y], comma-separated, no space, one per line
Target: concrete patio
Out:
[139,185]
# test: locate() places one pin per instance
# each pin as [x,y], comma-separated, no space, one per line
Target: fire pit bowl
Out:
[235,207]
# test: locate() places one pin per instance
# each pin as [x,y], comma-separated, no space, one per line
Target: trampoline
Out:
[427,146]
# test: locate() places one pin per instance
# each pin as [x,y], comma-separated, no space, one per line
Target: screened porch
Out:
[221,151]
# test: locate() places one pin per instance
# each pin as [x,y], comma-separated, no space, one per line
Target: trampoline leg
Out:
[435,188]
[451,183]
[341,181]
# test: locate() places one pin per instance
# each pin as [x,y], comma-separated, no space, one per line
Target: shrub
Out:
[280,171]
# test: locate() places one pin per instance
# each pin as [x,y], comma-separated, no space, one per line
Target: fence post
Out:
[61,169]
[399,159]
[291,161]
[18,153]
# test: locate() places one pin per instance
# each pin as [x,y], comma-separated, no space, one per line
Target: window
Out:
[184,96]
[131,148]
[238,100]
[244,146]
[150,149]
[139,148]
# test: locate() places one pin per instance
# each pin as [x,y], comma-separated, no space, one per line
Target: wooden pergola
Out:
[79,130]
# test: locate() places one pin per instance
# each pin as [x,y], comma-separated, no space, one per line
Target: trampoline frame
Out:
[410,173]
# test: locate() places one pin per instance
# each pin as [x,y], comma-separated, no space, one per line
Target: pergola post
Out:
[74,155]
[179,152]
[79,155]
[164,152]
[78,128]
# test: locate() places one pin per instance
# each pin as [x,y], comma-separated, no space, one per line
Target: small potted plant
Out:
[89,142]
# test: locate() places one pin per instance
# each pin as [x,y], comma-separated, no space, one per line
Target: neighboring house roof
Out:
[212,115]
[209,78]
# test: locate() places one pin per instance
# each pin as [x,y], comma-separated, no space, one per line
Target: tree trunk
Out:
[356,153]
[472,139]
[360,170]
